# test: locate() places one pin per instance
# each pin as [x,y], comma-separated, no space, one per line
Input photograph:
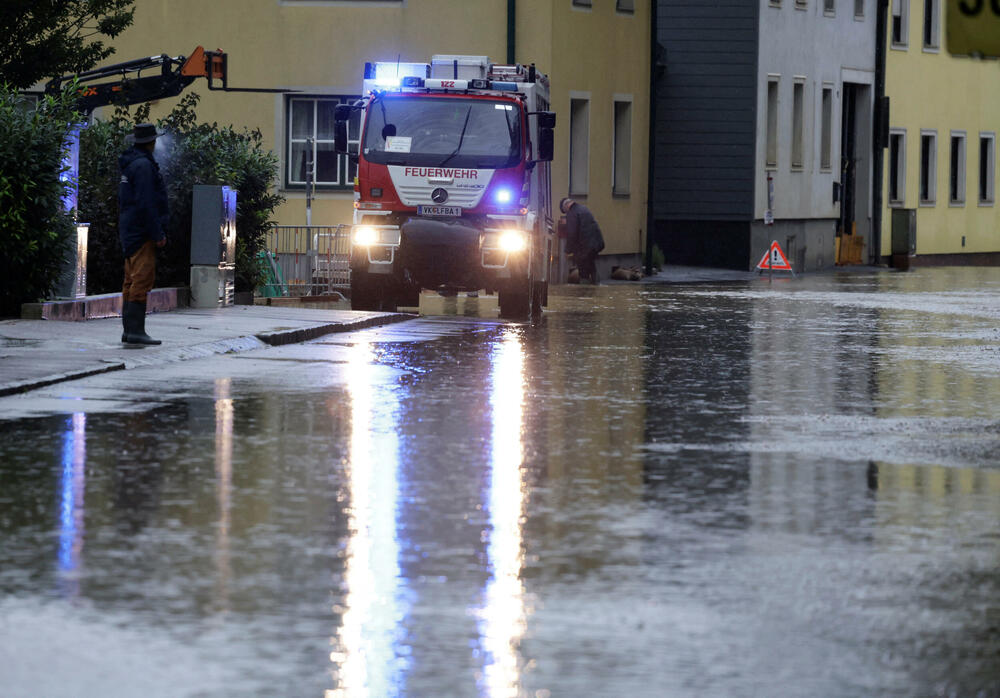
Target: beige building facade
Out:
[596,55]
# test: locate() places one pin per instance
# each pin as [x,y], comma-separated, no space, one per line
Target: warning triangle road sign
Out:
[774,259]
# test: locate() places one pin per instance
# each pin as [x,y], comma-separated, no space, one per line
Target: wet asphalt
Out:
[749,488]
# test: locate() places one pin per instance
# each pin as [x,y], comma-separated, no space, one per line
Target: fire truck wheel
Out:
[364,293]
[538,298]
[516,299]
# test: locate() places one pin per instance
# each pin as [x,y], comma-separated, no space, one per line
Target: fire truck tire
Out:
[539,298]
[516,300]
[409,296]
[368,294]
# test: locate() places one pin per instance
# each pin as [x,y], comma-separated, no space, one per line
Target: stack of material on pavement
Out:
[626,273]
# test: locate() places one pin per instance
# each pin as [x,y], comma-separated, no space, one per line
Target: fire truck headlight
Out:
[513,241]
[365,235]
[503,196]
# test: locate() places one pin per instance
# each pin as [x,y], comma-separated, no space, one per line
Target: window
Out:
[900,20]
[801,4]
[626,6]
[826,129]
[932,24]
[829,7]
[579,142]
[897,167]
[859,9]
[312,118]
[987,166]
[798,91]
[928,168]
[581,3]
[956,193]
[623,149]
[772,123]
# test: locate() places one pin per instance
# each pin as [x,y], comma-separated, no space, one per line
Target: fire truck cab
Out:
[453,188]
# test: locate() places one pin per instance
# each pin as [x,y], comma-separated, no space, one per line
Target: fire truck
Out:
[453,184]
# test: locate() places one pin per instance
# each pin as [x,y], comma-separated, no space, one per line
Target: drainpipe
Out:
[651,165]
[511,29]
[881,126]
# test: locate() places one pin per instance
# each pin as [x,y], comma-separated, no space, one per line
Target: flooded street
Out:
[709,489]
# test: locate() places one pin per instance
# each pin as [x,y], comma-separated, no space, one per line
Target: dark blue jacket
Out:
[583,235]
[142,201]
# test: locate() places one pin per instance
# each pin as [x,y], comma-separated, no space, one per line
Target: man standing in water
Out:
[142,218]
[583,238]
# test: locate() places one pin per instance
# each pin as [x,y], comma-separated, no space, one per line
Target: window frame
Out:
[798,150]
[897,135]
[929,174]
[859,10]
[826,128]
[903,43]
[772,123]
[579,185]
[957,184]
[626,190]
[991,169]
[344,166]
[934,46]
[829,8]
[629,10]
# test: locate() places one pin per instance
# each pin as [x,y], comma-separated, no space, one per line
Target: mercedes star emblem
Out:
[439,195]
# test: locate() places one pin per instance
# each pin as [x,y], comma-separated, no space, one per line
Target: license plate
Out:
[439,210]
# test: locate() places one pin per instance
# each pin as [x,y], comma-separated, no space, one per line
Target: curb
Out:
[304,334]
[15,388]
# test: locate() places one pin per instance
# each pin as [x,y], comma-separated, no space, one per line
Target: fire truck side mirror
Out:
[341,115]
[546,119]
[546,144]
[340,136]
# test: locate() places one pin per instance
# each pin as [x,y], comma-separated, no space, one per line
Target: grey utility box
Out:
[904,231]
[213,245]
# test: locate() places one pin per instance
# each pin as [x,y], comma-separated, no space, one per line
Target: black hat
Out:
[144,133]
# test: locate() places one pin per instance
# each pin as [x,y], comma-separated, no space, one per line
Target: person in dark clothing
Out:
[142,219]
[583,238]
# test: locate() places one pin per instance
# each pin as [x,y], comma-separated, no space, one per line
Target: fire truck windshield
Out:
[434,131]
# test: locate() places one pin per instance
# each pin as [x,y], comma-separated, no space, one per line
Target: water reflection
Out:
[502,618]
[71,505]
[224,485]
[366,656]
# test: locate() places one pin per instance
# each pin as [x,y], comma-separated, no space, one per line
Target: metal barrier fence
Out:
[310,260]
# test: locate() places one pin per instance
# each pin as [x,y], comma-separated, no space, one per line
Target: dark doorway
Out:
[848,158]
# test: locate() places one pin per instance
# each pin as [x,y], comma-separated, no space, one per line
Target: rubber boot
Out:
[125,321]
[135,328]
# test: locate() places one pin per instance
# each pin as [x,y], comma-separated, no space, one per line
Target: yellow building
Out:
[596,58]
[941,161]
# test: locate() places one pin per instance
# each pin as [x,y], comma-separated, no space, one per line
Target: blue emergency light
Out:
[504,86]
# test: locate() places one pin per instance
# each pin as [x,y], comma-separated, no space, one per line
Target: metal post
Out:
[310,178]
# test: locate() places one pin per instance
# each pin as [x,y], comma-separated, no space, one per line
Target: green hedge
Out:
[189,153]
[34,229]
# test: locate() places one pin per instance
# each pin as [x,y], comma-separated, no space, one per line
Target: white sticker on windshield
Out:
[397,144]
[503,106]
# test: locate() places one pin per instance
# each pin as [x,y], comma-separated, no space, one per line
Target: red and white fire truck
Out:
[453,186]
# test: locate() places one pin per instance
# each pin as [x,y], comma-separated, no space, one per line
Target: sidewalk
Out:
[36,353]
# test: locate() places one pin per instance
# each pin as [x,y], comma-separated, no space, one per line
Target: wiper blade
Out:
[460,138]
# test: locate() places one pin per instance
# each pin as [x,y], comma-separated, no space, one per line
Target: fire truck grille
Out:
[421,196]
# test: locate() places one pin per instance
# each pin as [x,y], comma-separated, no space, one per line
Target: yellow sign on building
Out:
[973,27]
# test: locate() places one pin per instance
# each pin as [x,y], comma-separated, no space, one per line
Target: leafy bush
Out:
[34,228]
[189,153]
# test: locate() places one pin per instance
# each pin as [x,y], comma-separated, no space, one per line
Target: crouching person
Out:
[583,239]
[142,206]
